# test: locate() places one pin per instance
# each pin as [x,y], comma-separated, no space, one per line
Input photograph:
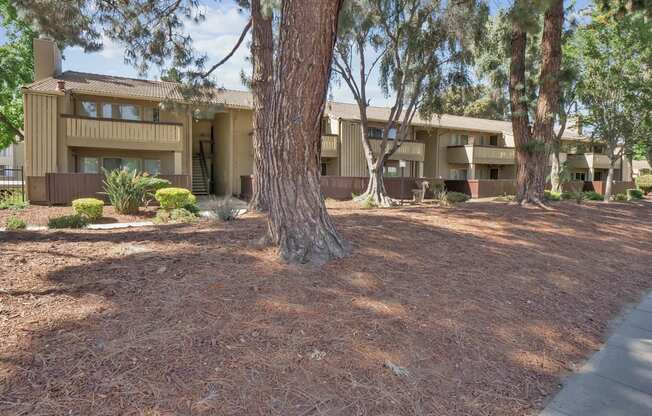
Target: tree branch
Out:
[5,120]
[230,54]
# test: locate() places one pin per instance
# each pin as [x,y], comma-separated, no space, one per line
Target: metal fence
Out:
[12,182]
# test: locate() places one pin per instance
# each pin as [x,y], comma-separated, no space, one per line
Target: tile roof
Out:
[96,84]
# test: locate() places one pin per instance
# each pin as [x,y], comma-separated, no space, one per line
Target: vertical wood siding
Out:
[40,134]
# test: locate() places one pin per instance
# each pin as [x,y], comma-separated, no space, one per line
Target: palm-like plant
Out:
[127,189]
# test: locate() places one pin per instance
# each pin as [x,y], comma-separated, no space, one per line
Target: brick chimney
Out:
[47,58]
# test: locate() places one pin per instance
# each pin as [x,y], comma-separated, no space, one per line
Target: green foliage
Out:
[578,196]
[16,69]
[368,203]
[553,196]
[91,208]
[127,189]
[634,194]
[174,198]
[192,207]
[621,197]
[644,183]
[12,200]
[593,196]
[180,215]
[223,209]
[68,221]
[15,223]
[456,197]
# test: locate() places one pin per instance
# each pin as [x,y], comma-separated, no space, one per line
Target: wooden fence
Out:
[343,187]
[63,188]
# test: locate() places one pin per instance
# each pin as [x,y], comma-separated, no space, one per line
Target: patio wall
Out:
[63,188]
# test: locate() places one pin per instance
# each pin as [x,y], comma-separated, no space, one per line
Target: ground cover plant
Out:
[15,223]
[68,221]
[197,320]
[12,200]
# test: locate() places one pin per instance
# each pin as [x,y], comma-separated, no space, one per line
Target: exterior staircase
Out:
[199,181]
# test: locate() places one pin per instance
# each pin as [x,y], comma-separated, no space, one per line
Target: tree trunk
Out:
[608,190]
[555,172]
[376,192]
[298,222]
[525,163]
[262,52]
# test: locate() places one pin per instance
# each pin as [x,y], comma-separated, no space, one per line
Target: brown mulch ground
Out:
[480,309]
[38,215]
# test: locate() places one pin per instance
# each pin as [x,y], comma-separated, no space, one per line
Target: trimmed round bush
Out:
[455,197]
[174,198]
[90,208]
[634,194]
[621,197]
[644,183]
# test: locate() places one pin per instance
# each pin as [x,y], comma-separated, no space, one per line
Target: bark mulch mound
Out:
[478,309]
[38,215]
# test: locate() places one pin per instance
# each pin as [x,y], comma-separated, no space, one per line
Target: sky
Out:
[216,37]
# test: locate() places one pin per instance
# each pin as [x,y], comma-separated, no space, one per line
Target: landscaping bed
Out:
[477,309]
[38,215]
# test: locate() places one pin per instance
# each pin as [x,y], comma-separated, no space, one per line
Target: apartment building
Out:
[80,123]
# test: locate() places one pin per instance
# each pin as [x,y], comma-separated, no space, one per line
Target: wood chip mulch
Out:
[478,309]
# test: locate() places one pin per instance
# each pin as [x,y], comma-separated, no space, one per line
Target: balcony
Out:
[329,145]
[408,150]
[122,134]
[588,161]
[476,154]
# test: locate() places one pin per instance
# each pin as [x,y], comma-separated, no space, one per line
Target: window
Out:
[112,163]
[151,114]
[6,152]
[458,174]
[390,171]
[579,176]
[130,164]
[152,166]
[597,176]
[129,112]
[377,133]
[88,109]
[598,149]
[324,169]
[89,165]
[493,141]
[107,110]
[459,139]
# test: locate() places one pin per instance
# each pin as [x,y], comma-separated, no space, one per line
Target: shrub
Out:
[593,196]
[634,194]
[621,197]
[174,198]
[566,195]
[644,183]
[193,208]
[12,200]
[368,203]
[14,223]
[455,197]
[175,215]
[91,208]
[578,196]
[68,221]
[223,209]
[127,189]
[553,196]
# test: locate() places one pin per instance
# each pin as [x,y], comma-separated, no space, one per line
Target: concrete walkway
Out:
[617,380]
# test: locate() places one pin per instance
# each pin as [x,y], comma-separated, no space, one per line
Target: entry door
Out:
[493,174]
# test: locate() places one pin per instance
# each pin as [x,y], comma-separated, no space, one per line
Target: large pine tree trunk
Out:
[262,51]
[298,222]
[549,91]
[526,188]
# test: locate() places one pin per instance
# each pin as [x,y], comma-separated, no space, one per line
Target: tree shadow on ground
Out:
[484,306]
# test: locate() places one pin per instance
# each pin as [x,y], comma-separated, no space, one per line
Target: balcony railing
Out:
[407,151]
[122,134]
[588,161]
[329,146]
[481,155]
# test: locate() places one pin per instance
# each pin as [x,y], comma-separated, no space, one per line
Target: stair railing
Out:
[204,167]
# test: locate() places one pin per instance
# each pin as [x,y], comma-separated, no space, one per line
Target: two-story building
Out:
[80,123]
